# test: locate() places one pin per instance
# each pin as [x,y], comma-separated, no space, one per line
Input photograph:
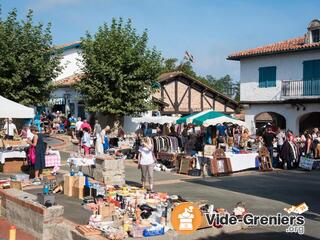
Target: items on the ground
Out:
[298,209]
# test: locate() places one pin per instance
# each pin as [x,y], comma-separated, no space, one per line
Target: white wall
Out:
[70,62]
[289,67]
[74,96]
[288,111]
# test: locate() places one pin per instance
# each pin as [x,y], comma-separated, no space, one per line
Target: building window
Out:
[267,77]
[315,35]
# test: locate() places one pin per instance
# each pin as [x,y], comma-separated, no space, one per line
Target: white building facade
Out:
[283,80]
[65,98]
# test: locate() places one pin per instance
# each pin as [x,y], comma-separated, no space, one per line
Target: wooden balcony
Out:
[300,88]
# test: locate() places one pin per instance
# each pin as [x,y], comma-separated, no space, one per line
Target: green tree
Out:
[119,70]
[224,85]
[171,64]
[27,62]
[237,92]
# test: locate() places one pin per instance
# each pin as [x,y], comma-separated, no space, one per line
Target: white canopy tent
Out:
[224,119]
[156,119]
[11,109]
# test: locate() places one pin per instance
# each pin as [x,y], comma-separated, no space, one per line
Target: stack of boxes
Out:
[108,170]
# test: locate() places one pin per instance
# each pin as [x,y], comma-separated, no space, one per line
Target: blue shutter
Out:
[267,76]
[311,77]
[262,78]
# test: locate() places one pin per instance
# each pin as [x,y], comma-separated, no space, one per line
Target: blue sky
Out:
[209,29]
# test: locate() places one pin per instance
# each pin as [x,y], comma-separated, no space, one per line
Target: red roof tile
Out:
[291,45]
[67,45]
[68,81]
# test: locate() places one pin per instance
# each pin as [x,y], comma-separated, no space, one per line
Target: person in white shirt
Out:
[10,129]
[78,128]
[146,162]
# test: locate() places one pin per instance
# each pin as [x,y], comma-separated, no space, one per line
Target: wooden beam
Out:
[213,104]
[205,98]
[162,92]
[201,101]
[168,96]
[225,107]
[176,106]
[183,96]
[189,99]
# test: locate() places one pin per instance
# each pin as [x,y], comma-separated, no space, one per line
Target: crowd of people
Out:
[90,140]
[289,148]
[284,147]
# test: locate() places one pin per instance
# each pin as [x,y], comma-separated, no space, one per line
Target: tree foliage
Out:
[27,63]
[171,64]
[119,70]
[223,85]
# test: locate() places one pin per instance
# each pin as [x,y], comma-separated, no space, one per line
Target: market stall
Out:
[166,148]
[238,159]
[53,159]
[243,161]
[11,109]
[209,117]
[12,154]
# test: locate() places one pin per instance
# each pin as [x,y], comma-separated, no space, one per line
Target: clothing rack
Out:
[168,144]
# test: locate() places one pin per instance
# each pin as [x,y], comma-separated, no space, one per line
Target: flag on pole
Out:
[188,56]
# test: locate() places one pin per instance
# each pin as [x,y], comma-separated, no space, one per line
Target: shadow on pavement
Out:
[132,183]
[287,187]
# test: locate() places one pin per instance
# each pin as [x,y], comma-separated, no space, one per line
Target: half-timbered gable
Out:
[184,95]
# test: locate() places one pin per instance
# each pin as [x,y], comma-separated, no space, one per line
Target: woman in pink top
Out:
[85,124]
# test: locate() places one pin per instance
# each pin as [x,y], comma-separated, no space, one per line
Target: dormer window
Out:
[315,35]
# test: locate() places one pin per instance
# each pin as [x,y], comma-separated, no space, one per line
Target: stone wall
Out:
[22,210]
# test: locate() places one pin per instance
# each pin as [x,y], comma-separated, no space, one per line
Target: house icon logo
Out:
[186,218]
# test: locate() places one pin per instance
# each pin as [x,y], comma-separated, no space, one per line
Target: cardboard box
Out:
[79,181]
[77,192]
[106,210]
[72,181]
[68,184]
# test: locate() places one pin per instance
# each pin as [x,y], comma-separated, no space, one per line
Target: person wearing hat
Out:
[10,129]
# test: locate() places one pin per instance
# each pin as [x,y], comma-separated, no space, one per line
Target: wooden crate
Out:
[13,165]
[87,230]
[16,185]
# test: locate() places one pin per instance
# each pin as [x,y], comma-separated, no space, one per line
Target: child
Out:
[86,141]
